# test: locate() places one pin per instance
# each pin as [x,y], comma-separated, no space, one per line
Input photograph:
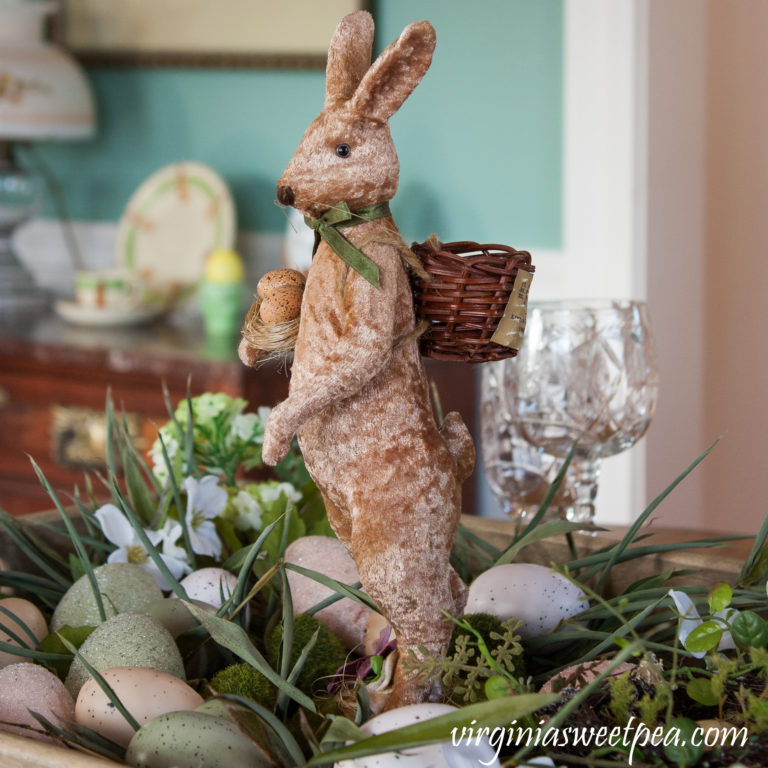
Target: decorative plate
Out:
[172,222]
[77,314]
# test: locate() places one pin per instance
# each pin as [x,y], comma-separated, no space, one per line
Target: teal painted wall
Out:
[479,140]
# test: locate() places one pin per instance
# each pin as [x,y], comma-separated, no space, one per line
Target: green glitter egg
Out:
[126,640]
[123,587]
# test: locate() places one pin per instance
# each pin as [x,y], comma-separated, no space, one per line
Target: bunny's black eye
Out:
[343,150]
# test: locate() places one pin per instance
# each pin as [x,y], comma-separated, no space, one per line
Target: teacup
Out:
[113,289]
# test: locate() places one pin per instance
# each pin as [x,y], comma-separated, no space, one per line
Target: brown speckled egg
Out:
[23,614]
[282,305]
[579,675]
[26,687]
[279,278]
[145,693]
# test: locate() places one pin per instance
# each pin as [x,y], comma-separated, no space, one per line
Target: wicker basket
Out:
[462,304]
[466,299]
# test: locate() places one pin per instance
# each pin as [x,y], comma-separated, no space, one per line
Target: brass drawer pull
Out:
[79,436]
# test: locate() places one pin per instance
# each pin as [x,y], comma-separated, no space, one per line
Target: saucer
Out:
[103,316]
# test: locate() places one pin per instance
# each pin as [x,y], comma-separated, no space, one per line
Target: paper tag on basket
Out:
[509,332]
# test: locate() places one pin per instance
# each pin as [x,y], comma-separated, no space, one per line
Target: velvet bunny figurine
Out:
[358,399]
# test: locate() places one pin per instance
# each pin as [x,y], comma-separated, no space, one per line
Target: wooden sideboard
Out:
[54,380]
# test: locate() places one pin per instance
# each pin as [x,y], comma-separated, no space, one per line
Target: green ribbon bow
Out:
[326,228]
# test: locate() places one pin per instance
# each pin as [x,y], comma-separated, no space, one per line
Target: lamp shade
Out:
[43,92]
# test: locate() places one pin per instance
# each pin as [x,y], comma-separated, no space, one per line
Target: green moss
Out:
[246,681]
[326,657]
[623,696]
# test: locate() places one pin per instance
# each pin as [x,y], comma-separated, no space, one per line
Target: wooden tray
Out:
[708,566]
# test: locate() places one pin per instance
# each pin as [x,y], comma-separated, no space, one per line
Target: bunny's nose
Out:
[285,195]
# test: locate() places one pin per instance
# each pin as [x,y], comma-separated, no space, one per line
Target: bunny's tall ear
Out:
[349,56]
[395,74]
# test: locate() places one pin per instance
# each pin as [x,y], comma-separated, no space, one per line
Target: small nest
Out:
[277,339]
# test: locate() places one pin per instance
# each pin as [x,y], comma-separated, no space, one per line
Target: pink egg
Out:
[29,686]
[346,618]
[27,616]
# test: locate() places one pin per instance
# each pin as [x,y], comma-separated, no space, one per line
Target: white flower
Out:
[169,535]
[118,529]
[264,411]
[207,407]
[690,619]
[243,425]
[159,466]
[248,512]
[205,501]
[269,492]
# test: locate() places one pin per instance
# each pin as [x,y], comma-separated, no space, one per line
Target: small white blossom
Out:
[159,465]
[690,619]
[205,501]
[118,530]
[169,535]
[248,512]
[207,407]
[243,425]
[263,412]
[270,493]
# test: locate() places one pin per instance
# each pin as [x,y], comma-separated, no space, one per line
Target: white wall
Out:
[676,178]
[708,257]
[736,300]
[603,254]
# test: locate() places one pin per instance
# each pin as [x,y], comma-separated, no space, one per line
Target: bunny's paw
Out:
[277,438]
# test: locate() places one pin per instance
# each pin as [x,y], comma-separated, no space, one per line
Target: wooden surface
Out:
[48,363]
[21,752]
[708,566]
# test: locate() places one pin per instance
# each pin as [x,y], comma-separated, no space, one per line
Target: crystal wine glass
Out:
[586,376]
[518,473]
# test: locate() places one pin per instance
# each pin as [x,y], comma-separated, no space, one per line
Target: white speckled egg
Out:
[345,618]
[193,740]
[538,596]
[208,585]
[126,640]
[29,686]
[145,693]
[433,755]
[27,614]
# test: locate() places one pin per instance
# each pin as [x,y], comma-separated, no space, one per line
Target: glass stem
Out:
[584,474]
